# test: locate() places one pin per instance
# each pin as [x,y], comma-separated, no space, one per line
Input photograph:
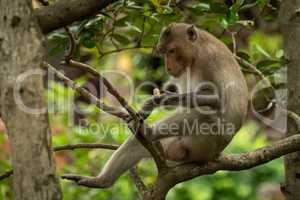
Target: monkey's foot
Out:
[91,182]
[73,177]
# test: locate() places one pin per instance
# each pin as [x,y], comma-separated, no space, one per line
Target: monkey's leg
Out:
[125,157]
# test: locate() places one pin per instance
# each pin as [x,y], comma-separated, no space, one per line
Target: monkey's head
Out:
[177,44]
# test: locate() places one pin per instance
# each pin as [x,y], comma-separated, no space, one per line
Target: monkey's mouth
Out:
[169,69]
[173,72]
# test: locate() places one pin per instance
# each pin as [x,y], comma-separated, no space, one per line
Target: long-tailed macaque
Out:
[192,56]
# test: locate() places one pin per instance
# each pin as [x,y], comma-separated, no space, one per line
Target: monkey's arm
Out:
[186,100]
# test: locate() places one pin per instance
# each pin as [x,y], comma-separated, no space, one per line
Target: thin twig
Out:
[6,174]
[137,126]
[233,42]
[72,147]
[72,40]
[295,117]
[232,162]
[87,95]
[125,49]
[257,72]
[291,115]
[86,146]
[107,84]
[250,66]
[139,43]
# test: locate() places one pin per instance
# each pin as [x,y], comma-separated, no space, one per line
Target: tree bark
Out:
[21,50]
[290,25]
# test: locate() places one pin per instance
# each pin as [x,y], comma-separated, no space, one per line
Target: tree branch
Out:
[137,127]
[6,174]
[87,95]
[137,181]
[65,12]
[107,84]
[102,54]
[72,40]
[86,146]
[233,162]
[170,176]
[71,147]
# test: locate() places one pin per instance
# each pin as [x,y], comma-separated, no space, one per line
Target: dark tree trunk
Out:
[21,50]
[290,26]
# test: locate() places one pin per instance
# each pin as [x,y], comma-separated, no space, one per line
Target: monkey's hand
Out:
[87,181]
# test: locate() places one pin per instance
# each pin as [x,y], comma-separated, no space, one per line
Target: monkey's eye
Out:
[171,51]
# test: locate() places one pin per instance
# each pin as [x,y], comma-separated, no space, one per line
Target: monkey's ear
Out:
[192,33]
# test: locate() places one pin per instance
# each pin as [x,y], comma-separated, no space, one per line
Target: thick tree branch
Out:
[65,12]
[137,181]
[234,162]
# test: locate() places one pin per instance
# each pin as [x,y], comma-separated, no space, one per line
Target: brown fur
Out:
[191,56]
[204,59]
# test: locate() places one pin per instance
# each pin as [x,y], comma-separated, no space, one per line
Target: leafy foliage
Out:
[134,25]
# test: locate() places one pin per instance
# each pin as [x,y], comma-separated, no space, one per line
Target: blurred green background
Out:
[120,39]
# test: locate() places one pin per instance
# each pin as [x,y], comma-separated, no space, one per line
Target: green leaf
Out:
[86,39]
[167,10]
[276,80]
[156,3]
[88,43]
[122,39]
[58,37]
[265,63]
[237,5]
[133,27]
[262,3]
[135,7]
[199,8]
[220,8]
[243,55]
[122,21]
[59,41]
[261,50]
[279,53]
[232,16]
[97,22]
[224,22]
[269,67]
